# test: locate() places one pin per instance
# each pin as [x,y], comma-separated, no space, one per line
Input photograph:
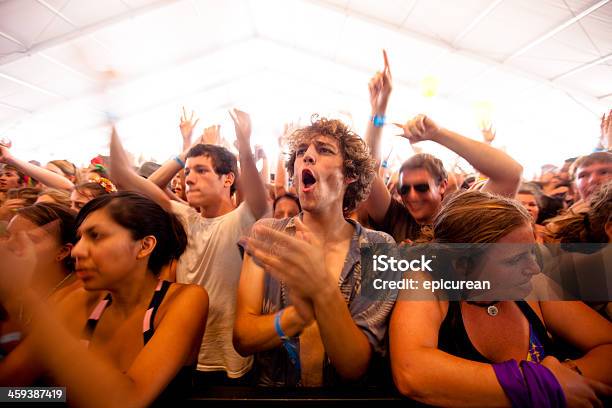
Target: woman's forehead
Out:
[96,218]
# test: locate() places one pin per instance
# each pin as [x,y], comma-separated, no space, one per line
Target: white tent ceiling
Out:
[541,70]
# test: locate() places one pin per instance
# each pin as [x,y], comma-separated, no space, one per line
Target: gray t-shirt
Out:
[273,368]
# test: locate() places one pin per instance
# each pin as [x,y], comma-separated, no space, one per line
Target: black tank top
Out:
[453,338]
[181,384]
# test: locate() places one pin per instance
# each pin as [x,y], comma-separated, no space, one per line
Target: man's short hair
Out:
[357,162]
[428,162]
[583,161]
[223,161]
[287,196]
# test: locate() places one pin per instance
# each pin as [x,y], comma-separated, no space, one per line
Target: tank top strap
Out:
[94,317]
[149,318]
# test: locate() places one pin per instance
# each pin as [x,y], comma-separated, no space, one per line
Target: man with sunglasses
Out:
[422,179]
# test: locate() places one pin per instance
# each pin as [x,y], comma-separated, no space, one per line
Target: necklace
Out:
[47,296]
[59,285]
[492,308]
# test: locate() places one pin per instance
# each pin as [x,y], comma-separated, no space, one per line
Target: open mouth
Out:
[308,180]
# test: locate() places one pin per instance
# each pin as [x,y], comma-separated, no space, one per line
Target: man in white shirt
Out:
[212,258]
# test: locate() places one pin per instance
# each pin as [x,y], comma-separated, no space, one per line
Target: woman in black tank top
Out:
[139,339]
[449,353]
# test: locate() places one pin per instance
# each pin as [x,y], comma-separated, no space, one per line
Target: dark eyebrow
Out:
[87,230]
[322,143]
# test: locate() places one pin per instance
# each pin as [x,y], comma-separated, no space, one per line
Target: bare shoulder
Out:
[183,297]
[80,299]
[75,307]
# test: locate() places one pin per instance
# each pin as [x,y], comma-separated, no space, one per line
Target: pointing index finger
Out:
[387,69]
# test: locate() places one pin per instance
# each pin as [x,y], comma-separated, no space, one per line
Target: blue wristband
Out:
[277,326]
[179,161]
[289,346]
[378,120]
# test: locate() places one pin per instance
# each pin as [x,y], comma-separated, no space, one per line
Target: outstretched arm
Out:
[255,193]
[380,87]
[127,178]
[503,171]
[46,177]
[162,176]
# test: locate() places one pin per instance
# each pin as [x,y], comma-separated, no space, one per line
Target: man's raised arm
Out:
[250,183]
[503,171]
[380,87]
[124,176]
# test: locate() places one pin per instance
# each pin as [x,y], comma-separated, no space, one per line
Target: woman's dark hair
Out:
[142,217]
[44,213]
[287,196]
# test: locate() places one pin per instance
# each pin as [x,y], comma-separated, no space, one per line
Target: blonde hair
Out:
[61,197]
[68,168]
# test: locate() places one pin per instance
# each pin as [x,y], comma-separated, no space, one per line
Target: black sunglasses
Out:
[419,188]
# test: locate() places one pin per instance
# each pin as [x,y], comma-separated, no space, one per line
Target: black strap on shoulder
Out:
[92,322]
[157,299]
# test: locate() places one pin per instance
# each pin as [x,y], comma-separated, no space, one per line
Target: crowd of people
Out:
[134,286]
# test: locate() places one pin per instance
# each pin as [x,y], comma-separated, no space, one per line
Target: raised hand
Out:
[606,130]
[419,128]
[380,87]
[488,133]
[288,129]
[5,155]
[242,125]
[211,135]
[187,124]
[260,153]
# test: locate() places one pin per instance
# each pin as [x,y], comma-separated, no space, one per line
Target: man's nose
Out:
[310,154]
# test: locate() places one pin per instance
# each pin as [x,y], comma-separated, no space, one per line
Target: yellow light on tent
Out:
[429,86]
[483,111]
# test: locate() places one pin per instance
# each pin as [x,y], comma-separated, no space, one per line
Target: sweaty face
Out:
[106,254]
[420,194]
[9,179]
[589,178]
[509,265]
[203,186]
[318,176]
[285,208]
[530,203]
